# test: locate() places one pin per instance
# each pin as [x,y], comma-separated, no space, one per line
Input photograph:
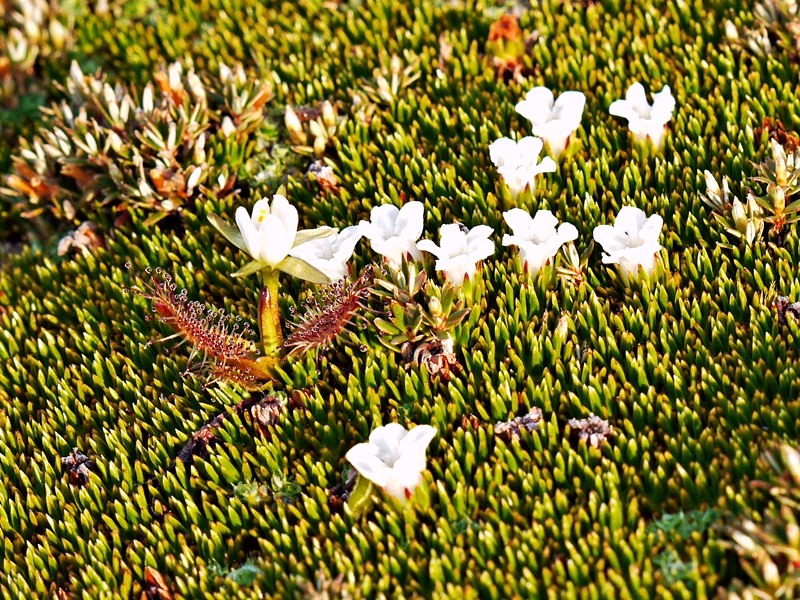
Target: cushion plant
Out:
[170,430]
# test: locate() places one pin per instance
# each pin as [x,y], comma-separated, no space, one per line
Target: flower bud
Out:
[781,176]
[750,232]
[730,30]
[328,114]
[435,306]
[778,199]
[58,34]
[75,73]
[194,179]
[772,576]
[147,98]
[292,121]
[739,216]
[712,187]
[573,257]
[319,146]
[228,128]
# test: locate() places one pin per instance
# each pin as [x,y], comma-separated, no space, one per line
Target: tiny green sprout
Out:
[464,525]
[686,523]
[251,493]
[286,490]
[246,574]
[672,568]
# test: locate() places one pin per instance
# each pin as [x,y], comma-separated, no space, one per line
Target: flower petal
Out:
[452,240]
[537,106]
[286,213]
[251,237]
[529,148]
[410,221]
[609,238]
[663,105]
[365,460]
[382,220]
[387,440]
[430,246]
[569,107]
[503,152]
[260,211]
[519,220]
[276,241]
[637,98]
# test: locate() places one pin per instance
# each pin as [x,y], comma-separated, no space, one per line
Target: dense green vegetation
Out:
[695,372]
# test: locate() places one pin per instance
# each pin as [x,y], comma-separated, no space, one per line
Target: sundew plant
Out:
[375,299]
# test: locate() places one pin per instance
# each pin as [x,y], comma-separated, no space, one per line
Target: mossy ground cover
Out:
[695,373]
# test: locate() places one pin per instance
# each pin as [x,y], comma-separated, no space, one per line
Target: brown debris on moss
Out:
[594,430]
[78,467]
[511,431]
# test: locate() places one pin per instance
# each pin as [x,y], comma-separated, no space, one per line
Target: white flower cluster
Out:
[554,122]
[394,457]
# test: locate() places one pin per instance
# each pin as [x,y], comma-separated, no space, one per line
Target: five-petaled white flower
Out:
[393,458]
[553,120]
[461,250]
[644,120]
[537,238]
[393,232]
[632,241]
[270,231]
[330,254]
[518,162]
[268,234]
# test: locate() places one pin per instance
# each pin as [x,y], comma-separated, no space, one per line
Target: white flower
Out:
[644,120]
[518,162]
[393,458]
[632,241]
[553,120]
[537,238]
[270,232]
[393,232]
[461,250]
[330,254]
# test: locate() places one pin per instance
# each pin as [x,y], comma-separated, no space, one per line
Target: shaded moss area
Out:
[696,374]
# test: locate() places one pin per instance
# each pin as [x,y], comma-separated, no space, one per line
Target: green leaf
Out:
[308,235]
[385,326]
[250,268]
[360,498]
[231,233]
[793,207]
[154,218]
[301,269]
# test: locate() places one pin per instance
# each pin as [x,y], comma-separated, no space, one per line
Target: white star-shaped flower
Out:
[644,120]
[518,162]
[553,120]
[537,238]
[393,232]
[394,458]
[460,251]
[632,241]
